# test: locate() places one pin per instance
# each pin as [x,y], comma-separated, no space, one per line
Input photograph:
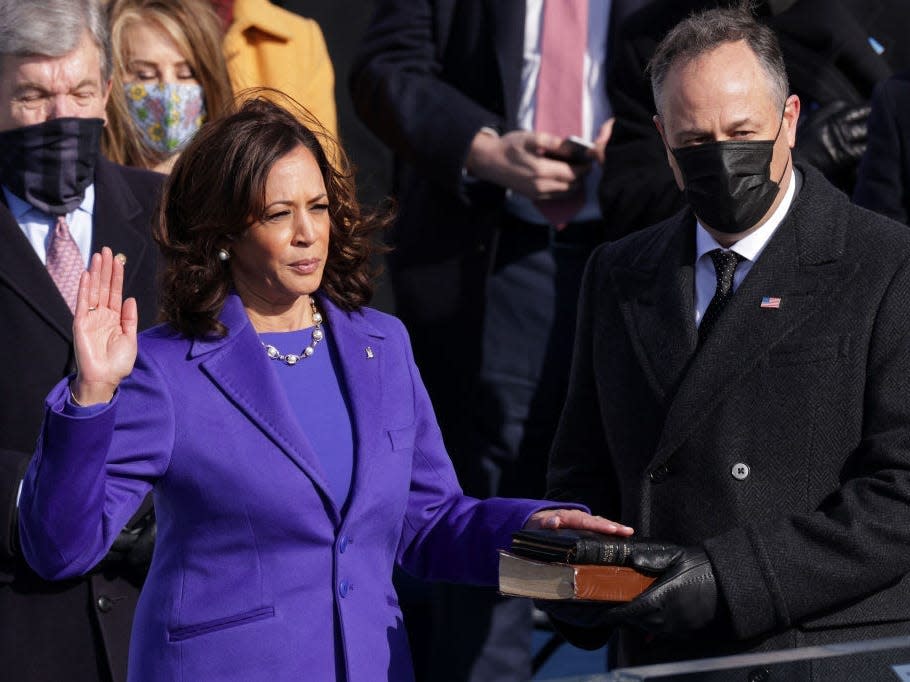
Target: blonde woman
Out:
[169,76]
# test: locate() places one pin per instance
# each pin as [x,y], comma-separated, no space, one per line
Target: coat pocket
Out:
[822,349]
[402,439]
[196,629]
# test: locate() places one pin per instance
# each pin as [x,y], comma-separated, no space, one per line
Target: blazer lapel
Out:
[800,265]
[361,357]
[118,219]
[240,368]
[507,17]
[22,271]
[656,299]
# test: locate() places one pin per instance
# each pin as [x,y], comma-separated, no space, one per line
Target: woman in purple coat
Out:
[282,426]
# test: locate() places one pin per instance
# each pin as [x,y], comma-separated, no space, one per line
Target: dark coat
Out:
[76,630]
[883,184]
[811,546]
[429,76]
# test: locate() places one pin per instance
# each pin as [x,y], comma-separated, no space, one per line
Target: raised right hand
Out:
[104,331]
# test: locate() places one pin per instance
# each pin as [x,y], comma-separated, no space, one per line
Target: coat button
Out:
[740,471]
[343,543]
[659,473]
[343,588]
[104,603]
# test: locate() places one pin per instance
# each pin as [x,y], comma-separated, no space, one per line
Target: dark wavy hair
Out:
[217,190]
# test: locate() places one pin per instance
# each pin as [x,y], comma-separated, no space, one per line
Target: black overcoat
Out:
[812,545]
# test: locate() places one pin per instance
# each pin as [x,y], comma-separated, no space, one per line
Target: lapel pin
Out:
[369,352]
[770,302]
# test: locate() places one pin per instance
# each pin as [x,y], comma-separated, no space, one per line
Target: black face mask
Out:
[728,184]
[50,164]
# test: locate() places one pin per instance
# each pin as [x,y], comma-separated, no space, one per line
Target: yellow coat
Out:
[270,46]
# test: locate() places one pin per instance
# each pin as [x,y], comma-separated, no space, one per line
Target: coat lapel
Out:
[119,221]
[801,265]
[22,271]
[656,299]
[240,368]
[507,17]
[361,358]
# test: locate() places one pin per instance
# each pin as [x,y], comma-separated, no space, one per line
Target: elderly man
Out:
[59,202]
[740,378]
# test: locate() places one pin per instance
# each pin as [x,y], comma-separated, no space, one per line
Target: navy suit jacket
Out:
[36,343]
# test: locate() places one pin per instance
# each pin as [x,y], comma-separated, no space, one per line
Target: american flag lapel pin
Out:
[770,302]
[369,352]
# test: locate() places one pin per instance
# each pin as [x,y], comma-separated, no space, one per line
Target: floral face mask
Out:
[167,114]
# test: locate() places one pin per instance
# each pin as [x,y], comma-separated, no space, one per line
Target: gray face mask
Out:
[50,164]
[728,184]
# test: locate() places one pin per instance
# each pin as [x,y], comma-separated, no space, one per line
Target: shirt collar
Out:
[19,207]
[750,246]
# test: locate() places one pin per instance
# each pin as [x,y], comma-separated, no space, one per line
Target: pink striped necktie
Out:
[560,84]
[64,262]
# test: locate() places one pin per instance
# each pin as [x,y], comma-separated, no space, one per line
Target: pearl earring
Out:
[224,255]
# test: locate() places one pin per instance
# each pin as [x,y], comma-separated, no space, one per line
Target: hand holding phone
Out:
[574,150]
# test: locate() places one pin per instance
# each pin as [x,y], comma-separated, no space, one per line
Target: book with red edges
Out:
[523,577]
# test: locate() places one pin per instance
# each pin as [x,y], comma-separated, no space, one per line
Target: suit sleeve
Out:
[91,473]
[447,535]
[399,92]
[769,572]
[881,184]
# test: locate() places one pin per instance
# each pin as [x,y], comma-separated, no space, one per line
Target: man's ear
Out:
[791,116]
[107,95]
[677,175]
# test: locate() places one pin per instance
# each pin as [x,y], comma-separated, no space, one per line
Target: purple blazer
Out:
[257,575]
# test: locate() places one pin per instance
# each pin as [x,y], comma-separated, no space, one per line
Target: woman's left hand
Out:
[551,519]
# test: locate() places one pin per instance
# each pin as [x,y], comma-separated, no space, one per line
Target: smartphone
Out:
[574,150]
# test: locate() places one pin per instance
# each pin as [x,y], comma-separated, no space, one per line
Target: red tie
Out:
[64,262]
[563,43]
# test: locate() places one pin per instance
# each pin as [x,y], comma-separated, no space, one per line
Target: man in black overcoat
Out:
[52,94]
[739,382]
[836,51]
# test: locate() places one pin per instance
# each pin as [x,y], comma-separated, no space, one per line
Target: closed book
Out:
[572,546]
[524,577]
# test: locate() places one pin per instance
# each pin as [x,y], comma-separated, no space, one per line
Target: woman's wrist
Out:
[83,394]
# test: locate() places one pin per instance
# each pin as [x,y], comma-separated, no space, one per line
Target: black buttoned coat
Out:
[811,542]
[76,630]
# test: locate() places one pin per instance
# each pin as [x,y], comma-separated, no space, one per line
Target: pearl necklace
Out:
[290,358]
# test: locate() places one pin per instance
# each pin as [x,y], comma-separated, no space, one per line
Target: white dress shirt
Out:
[595,106]
[37,225]
[749,247]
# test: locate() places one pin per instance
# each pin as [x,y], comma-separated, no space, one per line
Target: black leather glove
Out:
[646,556]
[833,138]
[684,599]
